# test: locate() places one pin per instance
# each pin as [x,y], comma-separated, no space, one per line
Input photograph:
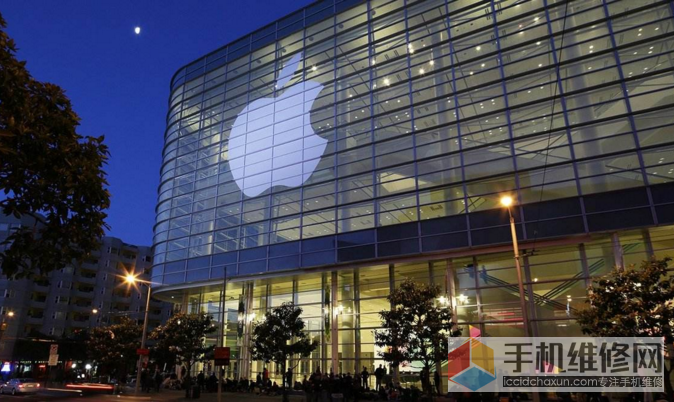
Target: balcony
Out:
[37,303]
[34,320]
[84,294]
[79,323]
[81,308]
[85,279]
[122,298]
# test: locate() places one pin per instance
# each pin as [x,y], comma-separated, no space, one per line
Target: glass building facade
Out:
[427,113]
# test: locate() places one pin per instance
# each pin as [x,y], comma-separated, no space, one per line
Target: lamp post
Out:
[223,338]
[3,326]
[94,312]
[131,280]
[507,201]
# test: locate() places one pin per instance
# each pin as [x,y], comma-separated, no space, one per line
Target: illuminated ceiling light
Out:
[478,48]
[314,68]
[421,71]
[386,81]
[431,62]
[538,43]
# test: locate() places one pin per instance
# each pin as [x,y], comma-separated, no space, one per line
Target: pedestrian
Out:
[438,383]
[158,379]
[379,375]
[201,380]
[365,375]
[357,387]
[288,378]
[212,383]
[144,381]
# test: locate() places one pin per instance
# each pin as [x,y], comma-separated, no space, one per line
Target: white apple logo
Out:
[272,142]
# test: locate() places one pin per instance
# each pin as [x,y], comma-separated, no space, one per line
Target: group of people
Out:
[322,386]
[316,387]
[262,385]
[154,380]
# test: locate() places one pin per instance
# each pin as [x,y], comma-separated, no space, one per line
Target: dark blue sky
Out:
[118,81]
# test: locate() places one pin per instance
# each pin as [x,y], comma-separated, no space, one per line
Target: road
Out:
[67,395]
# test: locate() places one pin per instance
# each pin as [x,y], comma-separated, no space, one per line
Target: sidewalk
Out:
[168,395]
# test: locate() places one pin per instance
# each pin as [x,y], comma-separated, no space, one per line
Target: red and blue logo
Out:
[471,364]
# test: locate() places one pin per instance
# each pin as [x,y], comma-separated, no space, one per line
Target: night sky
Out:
[118,81]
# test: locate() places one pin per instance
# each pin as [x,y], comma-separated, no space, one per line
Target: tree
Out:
[280,336]
[633,303]
[184,336]
[114,346]
[47,172]
[416,329]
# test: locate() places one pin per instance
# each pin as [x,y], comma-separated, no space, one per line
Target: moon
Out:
[137,30]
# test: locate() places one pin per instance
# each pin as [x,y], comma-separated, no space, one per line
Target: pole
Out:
[222,332]
[144,337]
[520,284]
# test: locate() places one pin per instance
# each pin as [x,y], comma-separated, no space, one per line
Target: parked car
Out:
[20,386]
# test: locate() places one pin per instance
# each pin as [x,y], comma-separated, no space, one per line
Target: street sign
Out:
[53,349]
[53,360]
[143,352]
[222,356]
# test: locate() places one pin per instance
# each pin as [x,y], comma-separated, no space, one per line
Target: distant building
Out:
[74,298]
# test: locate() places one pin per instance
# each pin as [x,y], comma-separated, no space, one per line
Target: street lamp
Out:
[3,325]
[507,201]
[131,279]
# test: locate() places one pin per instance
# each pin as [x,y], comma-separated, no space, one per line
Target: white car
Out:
[20,386]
